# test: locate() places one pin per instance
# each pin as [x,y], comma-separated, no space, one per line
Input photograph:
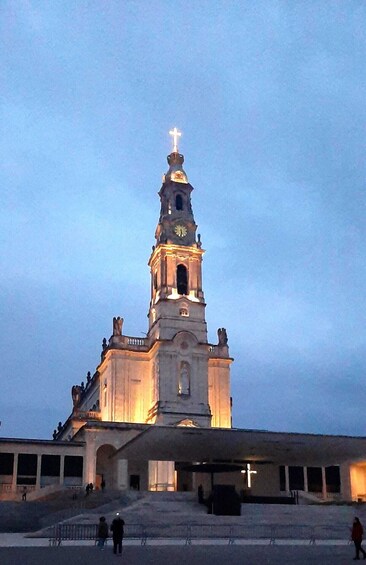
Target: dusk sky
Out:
[270,97]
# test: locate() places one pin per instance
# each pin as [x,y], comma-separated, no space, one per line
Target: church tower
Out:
[177,305]
[177,298]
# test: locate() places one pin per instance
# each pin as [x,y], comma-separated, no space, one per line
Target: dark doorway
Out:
[296,478]
[184,477]
[135,482]
[333,479]
[315,480]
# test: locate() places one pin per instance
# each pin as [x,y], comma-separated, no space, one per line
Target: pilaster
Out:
[90,460]
[122,474]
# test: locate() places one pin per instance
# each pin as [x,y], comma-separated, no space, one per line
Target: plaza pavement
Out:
[178,555]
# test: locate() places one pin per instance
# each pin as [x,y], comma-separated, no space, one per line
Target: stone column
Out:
[90,461]
[306,487]
[62,469]
[346,490]
[15,474]
[38,474]
[324,484]
[287,479]
[122,474]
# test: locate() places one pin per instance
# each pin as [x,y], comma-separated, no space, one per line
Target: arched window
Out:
[178,202]
[182,279]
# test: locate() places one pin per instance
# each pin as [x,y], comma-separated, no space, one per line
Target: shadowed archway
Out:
[106,466]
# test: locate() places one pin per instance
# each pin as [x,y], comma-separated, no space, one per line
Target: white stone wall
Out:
[219,392]
[125,391]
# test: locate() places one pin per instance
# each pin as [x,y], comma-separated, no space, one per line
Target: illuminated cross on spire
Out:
[175,134]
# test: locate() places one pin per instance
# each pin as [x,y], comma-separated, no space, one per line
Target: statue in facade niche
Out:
[76,395]
[222,335]
[184,379]
[117,326]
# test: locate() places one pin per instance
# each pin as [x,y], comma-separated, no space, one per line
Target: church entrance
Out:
[106,467]
[358,481]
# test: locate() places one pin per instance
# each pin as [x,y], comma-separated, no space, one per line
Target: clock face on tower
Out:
[180,230]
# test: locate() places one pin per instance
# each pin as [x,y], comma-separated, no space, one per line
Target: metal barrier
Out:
[187,533]
[85,532]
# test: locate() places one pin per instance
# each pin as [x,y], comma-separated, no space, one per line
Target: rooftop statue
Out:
[117,326]
[76,395]
[222,335]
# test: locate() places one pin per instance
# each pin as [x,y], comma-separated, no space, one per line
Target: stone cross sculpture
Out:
[117,326]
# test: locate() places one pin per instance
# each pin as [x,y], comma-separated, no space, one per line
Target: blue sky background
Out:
[270,97]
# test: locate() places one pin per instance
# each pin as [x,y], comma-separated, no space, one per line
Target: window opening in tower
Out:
[178,202]
[182,279]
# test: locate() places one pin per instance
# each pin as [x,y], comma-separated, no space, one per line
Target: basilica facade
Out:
[156,414]
[173,376]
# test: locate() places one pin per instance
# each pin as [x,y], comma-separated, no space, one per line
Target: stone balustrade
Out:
[88,415]
[139,341]
[129,342]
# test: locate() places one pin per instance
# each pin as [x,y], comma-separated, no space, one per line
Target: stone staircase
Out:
[168,512]
[178,508]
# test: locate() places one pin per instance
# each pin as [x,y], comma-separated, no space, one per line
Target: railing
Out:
[68,532]
[6,487]
[188,533]
[162,487]
[20,488]
[136,341]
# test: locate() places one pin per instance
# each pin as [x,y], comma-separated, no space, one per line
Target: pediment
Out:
[187,423]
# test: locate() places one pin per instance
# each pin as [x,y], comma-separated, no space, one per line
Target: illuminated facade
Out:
[157,404]
[173,376]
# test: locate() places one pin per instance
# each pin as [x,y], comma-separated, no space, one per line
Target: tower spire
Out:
[175,160]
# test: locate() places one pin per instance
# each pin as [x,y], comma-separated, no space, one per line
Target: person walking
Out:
[24,493]
[117,532]
[357,535]
[102,533]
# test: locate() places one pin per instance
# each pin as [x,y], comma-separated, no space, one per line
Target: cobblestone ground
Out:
[194,555]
